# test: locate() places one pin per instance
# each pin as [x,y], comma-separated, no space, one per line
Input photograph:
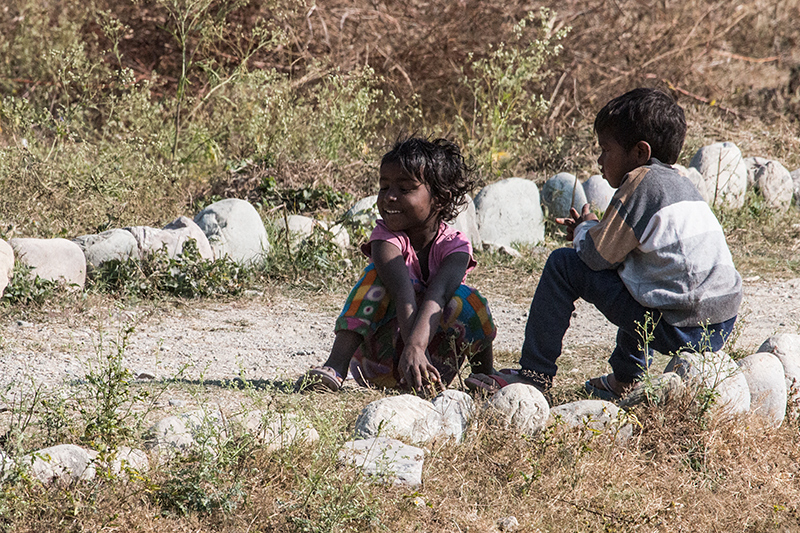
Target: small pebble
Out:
[509,523]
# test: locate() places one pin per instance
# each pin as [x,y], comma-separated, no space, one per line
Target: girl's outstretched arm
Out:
[393,272]
[414,362]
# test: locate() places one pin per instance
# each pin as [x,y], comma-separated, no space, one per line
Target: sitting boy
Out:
[658,251]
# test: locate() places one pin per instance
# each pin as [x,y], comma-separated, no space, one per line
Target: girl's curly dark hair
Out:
[440,165]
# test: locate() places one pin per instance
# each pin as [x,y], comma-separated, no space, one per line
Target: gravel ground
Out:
[274,338]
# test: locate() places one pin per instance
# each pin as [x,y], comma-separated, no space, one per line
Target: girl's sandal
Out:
[320,379]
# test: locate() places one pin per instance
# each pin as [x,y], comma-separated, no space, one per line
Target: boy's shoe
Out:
[605,391]
[320,379]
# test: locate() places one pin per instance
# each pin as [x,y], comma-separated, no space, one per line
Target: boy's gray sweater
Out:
[668,246]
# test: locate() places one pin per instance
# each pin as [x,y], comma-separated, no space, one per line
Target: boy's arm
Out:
[414,361]
[575,219]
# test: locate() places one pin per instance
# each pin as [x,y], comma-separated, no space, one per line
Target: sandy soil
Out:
[274,337]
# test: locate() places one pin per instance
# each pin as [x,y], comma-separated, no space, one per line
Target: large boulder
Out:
[796,184]
[764,374]
[658,390]
[786,347]
[6,265]
[561,192]
[413,419]
[467,223]
[172,237]
[234,229]
[63,464]
[723,169]
[521,407]
[176,435]
[598,192]
[52,259]
[509,212]
[116,244]
[772,180]
[717,373]
[301,227]
[703,187]
[364,213]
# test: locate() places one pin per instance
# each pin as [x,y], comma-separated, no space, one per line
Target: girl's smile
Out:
[406,204]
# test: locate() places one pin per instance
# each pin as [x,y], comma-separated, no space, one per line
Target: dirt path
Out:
[268,338]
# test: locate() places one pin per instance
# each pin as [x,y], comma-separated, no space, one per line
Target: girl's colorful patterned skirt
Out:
[465,329]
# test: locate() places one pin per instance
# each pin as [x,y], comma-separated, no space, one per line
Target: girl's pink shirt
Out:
[447,241]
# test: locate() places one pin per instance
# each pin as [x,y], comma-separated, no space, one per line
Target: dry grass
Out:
[678,473]
[734,69]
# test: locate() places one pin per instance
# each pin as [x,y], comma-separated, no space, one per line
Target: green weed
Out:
[26,288]
[506,87]
[188,275]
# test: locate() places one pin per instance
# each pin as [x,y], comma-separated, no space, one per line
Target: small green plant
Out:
[302,199]
[27,288]
[506,89]
[112,396]
[187,275]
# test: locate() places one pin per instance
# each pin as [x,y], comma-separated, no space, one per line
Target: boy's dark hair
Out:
[438,163]
[646,115]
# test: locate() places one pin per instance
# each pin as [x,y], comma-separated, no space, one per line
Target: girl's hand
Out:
[418,372]
[572,222]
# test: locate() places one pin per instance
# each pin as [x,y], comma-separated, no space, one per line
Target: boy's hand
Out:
[572,222]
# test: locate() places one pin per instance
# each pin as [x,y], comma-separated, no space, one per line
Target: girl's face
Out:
[406,204]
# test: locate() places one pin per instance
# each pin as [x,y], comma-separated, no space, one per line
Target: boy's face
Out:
[615,161]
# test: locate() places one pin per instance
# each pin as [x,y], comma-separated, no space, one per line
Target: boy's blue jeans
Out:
[566,278]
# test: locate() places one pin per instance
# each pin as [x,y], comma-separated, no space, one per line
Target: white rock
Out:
[598,192]
[657,390]
[385,460]
[597,416]
[773,181]
[53,259]
[718,372]
[509,212]
[703,187]
[301,227]
[521,407]
[723,168]
[764,374]
[786,347]
[177,434]
[467,223]
[234,229]
[400,417]
[561,192]
[453,411]
[123,460]
[796,184]
[364,212]
[6,265]
[509,523]
[340,236]
[6,465]
[172,236]
[112,244]
[63,463]
[277,430]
